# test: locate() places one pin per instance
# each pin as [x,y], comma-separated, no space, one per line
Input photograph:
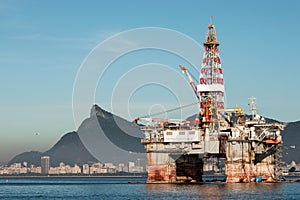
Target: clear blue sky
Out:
[43,43]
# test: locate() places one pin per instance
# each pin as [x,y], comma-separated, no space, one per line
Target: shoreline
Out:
[106,176]
[75,176]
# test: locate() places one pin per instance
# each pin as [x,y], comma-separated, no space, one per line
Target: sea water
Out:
[122,188]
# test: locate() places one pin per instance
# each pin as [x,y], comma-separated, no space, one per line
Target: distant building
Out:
[45,164]
[125,169]
[76,169]
[18,165]
[139,162]
[85,169]
[36,170]
[121,167]
[54,170]
[131,167]
[139,167]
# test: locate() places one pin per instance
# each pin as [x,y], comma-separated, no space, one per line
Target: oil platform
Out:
[177,150]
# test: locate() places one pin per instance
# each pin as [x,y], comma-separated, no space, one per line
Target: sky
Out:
[44,43]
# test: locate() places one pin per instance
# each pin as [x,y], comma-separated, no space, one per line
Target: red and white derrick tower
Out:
[211,84]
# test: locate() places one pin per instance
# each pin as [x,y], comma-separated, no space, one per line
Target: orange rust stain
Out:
[161,173]
[238,172]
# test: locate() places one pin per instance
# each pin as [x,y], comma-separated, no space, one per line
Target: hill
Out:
[69,149]
[111,138]
[102,136]
[291,137]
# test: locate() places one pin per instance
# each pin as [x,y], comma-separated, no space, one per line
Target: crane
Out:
[193,85]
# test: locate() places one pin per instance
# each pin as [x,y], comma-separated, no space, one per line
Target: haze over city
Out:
[45,42]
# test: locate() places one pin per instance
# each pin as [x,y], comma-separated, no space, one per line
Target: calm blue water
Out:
[118,188]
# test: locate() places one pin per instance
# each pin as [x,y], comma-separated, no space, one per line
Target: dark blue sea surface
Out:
[119,188]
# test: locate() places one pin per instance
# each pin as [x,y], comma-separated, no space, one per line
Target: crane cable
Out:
[170,110]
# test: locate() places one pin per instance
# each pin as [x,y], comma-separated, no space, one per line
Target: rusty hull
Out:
[161,168]
[176,168]
[241,166]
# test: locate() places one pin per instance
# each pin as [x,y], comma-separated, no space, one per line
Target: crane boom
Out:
[193,85]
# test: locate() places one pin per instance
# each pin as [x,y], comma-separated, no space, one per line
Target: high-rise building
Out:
[45,164]
[139,166]
[121,167]
[131,167]
[138,162]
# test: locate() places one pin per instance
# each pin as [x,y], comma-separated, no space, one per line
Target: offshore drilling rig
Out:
[177,150]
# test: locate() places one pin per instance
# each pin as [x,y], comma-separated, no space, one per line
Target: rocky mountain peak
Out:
[99,112]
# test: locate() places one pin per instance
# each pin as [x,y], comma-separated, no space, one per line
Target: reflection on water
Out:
[119,189]
[218,190]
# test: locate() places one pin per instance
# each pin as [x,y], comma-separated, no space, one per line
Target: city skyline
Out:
[44,44]
[91,168]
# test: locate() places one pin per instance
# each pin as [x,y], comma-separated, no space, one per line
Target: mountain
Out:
[102,136]
[111,138]
[291,137]
[69,149]
[32,157]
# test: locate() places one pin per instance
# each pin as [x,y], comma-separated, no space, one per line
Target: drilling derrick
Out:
[211,84]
